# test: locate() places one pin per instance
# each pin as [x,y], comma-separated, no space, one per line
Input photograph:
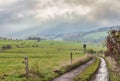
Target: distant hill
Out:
[93,36]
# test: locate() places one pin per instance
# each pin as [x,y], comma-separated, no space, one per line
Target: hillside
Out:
[94,36]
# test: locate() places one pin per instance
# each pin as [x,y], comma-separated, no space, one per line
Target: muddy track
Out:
[70,75]
[102,74]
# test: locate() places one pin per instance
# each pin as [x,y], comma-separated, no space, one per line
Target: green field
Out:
[45,57]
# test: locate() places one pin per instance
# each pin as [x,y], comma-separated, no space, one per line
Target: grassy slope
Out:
[88,72]
[95,35]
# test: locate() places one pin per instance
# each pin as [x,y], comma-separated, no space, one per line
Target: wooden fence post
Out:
[26,65]
[71,57]
[84,47]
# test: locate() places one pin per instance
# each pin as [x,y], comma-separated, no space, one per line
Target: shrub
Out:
[91,51]
[6,47]
[113,44]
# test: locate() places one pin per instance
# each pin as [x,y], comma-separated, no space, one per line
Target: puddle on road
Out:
[102,74]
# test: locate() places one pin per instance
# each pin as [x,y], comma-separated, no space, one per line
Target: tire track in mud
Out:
[70,75]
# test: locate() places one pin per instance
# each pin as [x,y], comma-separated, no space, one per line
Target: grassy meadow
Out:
[45,57]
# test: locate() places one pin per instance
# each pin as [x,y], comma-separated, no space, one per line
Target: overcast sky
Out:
[57,15]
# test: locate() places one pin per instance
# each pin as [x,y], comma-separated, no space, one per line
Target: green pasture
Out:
[45,57]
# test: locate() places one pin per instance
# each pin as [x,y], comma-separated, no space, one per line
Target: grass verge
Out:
[114,71]
[88,72]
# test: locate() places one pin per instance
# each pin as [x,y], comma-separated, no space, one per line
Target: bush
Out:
[91,51]
[6,47]
[17,46]
[113,44]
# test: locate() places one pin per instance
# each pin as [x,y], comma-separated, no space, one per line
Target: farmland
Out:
[44,58]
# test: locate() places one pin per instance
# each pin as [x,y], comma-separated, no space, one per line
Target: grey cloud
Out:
[71,11]
[100,10]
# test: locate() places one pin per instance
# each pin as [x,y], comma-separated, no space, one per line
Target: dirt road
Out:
[70,75]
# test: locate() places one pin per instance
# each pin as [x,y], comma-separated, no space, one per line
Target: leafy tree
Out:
[113,44]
